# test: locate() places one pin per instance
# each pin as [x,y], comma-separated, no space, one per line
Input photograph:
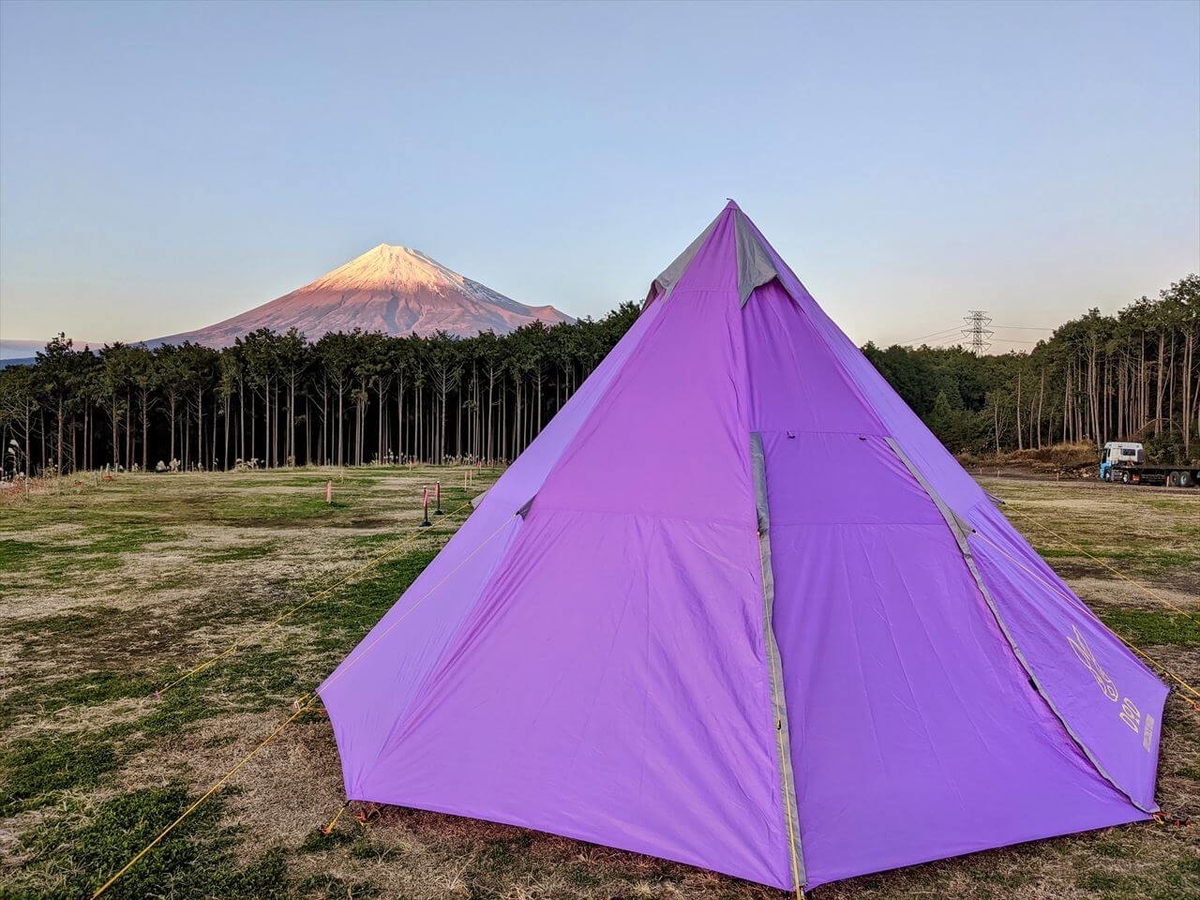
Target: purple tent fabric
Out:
[737,607]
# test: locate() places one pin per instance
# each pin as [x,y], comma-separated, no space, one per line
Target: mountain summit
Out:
[396,290]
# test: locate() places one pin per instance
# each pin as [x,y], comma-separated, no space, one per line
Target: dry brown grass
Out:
[146,575]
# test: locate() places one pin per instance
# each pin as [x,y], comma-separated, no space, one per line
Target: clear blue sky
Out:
[165,166]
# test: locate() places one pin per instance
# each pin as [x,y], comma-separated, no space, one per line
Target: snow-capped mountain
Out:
[23,349]
[396,290]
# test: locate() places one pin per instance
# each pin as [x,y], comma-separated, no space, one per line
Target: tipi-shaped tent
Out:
[737,607]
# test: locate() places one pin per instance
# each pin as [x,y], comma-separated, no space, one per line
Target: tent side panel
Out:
[915,733]
[1108,699]
[367,691]
[670,436]
[1044,632]
[839,356]
[529,471]
[612,686]
[367,696]
[793,381]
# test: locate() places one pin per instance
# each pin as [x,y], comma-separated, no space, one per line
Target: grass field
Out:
[112,590]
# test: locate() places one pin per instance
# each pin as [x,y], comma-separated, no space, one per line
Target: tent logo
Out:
[1131,715]
[1084,652]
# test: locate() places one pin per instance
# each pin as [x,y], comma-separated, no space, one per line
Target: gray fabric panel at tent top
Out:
[778,703]
[960,530]
[755,267]
[672,273]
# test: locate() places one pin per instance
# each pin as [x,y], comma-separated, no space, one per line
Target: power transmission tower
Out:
[977,330]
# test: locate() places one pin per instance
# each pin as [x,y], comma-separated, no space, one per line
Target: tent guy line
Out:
[216,786]
[1136,648]
[1161,598]
[300,706]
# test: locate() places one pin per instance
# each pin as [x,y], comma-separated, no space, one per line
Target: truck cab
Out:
[1118,454]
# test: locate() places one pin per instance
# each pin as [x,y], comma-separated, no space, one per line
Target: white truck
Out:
[1125,462]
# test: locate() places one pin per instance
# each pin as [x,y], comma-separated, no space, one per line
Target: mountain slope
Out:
[395,290]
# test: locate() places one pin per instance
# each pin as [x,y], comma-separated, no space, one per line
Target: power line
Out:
[943,333]
[956,330]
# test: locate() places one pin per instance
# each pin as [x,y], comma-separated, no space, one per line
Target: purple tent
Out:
[737,607]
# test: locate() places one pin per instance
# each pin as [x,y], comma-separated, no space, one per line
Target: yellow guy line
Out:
[328,829]
[212,790]
[1132,646]
[787,815]
[300,710]
[243,642]
[1137,584]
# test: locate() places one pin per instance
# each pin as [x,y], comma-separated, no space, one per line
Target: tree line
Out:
[1134,375]
[275,400]
[359,398]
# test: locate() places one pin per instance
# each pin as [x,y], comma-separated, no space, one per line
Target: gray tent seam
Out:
[662,286]
[755,267]
[778,703]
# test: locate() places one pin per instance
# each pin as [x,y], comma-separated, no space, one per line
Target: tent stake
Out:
[425,523]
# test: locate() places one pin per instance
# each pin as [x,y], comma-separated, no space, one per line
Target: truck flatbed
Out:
[1125,463]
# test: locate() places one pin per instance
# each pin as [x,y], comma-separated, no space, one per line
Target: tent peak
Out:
[754,264]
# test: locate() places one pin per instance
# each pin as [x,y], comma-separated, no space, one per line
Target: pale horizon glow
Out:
[164,167]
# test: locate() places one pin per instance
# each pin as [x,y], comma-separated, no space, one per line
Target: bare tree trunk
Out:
[1158,393]
[290,444]
[241,420]
[441,448]
[254,426]
[1187,392]
[490,410]
[1066,403]
[340,457]
[200,426]
[1171,385]
[1041,402]
[1093,389]
[1020,440]
[116,434]
[59,466]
